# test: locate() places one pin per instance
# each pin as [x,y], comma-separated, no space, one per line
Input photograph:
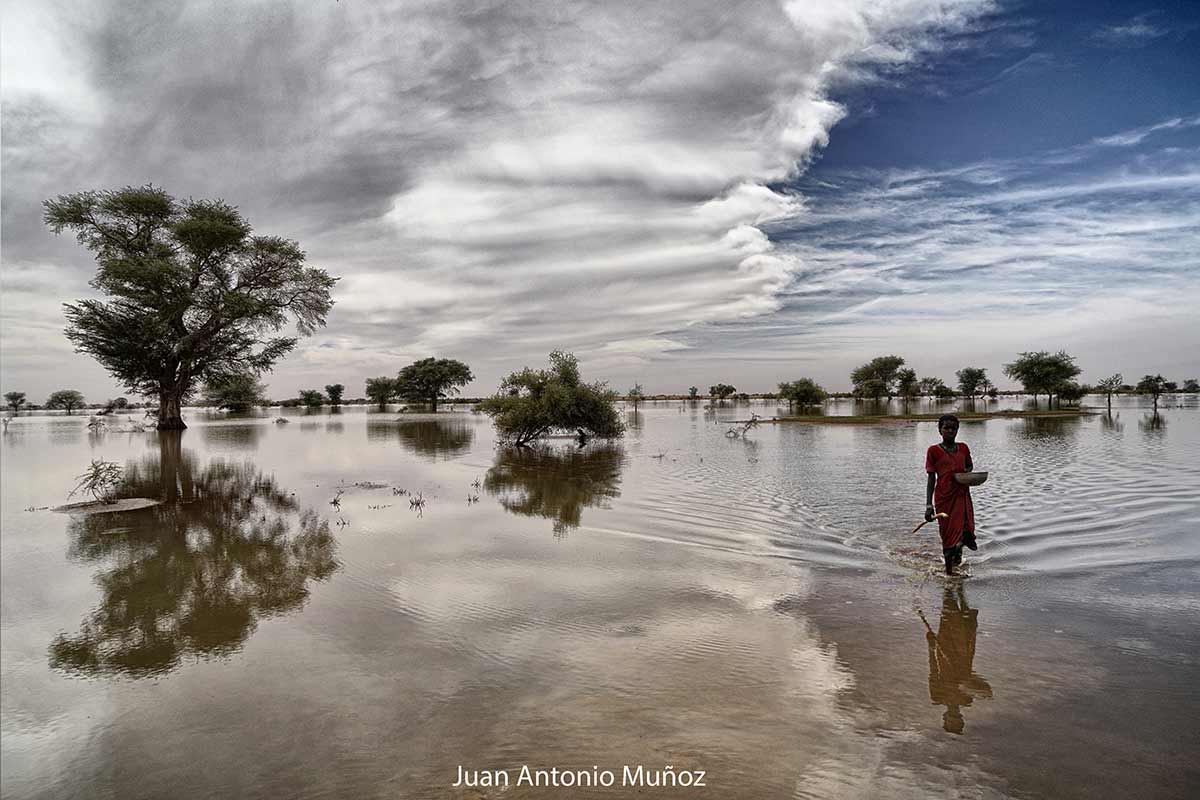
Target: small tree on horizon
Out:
[907,385]
[636,395]
[311,398]
[1042,372]
[234,392]
[1191,385]
[877,377]
[721,391]
[334,392]
[115,404]
[971,380]
[14,400]
[803,392]
[1109,386]
[431,379]
[66,399]
[193,295]
[693,392]
[870,388]
[1155,386]
[1071,392]
[381,390]
[937,388]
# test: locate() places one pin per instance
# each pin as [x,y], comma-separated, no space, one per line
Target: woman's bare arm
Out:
[930,482]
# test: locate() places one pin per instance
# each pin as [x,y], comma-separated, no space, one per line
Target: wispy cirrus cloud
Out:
[973,263]
[1138,135]
[1135,32]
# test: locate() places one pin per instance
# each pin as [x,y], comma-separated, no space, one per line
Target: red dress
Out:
[950,496]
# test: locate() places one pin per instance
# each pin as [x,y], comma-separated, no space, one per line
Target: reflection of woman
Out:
[952,683]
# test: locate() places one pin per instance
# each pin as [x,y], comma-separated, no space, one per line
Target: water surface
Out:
[754,607]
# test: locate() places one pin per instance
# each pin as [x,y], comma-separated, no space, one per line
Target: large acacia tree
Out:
[192,295]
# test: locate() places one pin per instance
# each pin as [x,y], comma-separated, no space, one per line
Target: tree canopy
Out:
[1109,386]
[312,398]
[877,377]
[907,385]
[14,400]
[431,379]
[721,391]
[381,390]
[1072,392]
[937,388]
[234,392]
[1042,372]
[971,380]
[802,392]
[334,392]
[193,295]
[534,403]
[66,399]
[1155,386]
[636,395]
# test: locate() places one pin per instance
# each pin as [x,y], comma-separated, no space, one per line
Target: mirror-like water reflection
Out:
[434,438]
[555,483]
[192,576]
[953,682]
[739,605]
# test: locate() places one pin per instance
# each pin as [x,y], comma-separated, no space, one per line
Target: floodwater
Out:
[754,607]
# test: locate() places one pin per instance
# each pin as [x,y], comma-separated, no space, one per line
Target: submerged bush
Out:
[100,481]
[535,403]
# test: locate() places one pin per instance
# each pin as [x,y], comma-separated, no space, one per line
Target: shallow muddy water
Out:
[754,607]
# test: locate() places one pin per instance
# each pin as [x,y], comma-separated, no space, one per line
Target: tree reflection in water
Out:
[1153,424]
[557,485]
[193,575]
[436,438]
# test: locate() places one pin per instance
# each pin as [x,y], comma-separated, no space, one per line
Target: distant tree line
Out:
[428,381]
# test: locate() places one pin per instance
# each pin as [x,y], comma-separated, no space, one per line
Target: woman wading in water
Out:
[944,495]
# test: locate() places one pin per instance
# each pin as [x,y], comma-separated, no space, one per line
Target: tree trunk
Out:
[433,403]
[169,418]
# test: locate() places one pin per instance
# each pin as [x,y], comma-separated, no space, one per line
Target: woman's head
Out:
[948,425]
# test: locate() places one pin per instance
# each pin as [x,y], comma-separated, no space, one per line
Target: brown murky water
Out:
[754,608]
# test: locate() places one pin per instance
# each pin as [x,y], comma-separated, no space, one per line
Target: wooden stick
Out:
[926,522]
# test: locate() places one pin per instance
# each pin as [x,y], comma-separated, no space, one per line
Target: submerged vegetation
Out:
[100,480]
[804,392]
[823,419]
[533,403]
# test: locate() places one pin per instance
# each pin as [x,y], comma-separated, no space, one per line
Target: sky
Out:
[679,193]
